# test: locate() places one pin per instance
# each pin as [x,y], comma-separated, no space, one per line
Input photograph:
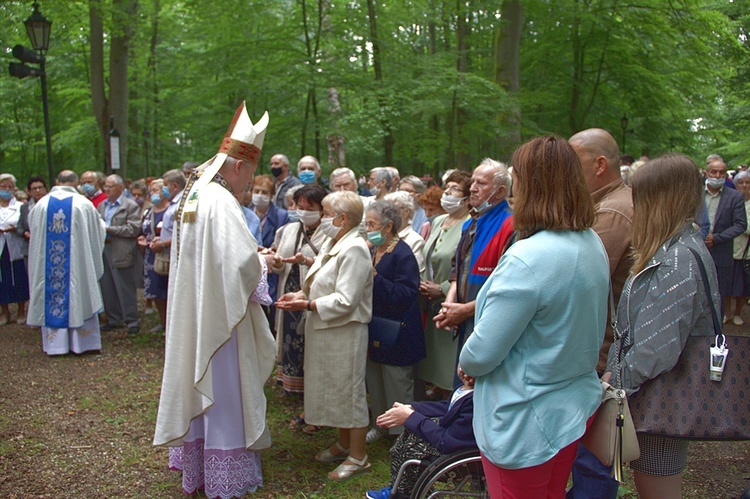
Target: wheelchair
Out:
[459,474]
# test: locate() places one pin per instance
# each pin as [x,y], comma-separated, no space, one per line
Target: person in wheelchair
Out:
[431,430]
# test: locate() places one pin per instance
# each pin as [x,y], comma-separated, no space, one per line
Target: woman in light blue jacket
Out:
[540,324]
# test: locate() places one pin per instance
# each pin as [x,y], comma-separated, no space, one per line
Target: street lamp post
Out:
[624,125]
[38,29]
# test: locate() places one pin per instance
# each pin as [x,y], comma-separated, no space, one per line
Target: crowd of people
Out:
[485,291]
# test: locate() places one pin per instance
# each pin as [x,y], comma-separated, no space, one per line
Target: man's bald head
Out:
[67,177]
[599,155]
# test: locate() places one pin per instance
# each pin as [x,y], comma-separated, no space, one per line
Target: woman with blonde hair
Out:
[663,302]
[337,295]
[540,321]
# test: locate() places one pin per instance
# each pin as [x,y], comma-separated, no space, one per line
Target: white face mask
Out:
[451,204]
[308,217]
[261,200]
[714,183]
[486,205]
[327,227]
[375,191]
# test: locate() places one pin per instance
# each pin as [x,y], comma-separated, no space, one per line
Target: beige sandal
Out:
[329,457]
[344,470]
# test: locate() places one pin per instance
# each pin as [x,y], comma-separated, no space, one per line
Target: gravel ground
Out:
[81,426]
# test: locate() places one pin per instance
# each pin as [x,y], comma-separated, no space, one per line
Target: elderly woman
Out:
[664,301]
[297,248]
[14,281]
[430,201]
[439,250]
[154,285]
[337,295]
[740,284]
[540,319]
[404,203]
[395,297]
[415,187]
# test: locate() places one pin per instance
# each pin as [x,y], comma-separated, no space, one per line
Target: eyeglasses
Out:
[454,190]
[373,225]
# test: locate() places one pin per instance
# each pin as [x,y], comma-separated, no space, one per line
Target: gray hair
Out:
[713,157]
[382,173]
[8,176]
[415,181]
[342,170]
[501,176]
[175,177]
[402,200]
[116,179]
[310,158]
[189,166]
[741,175]
[289,194]
[387,212]
[101,177]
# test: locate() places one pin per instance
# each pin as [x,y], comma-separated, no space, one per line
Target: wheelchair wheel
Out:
[454,475]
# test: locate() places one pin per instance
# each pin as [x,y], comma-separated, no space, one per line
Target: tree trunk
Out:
[507,71]
[462,64]
[335,140]
[98,95]
[388,140]
[118,79]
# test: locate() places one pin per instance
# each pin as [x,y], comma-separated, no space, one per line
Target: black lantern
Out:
[624,123]
[38,28]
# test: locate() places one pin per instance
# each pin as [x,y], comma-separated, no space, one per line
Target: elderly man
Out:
[67,240]
[91,186]
[600,160]
[284,180]
[379,182]
[188,167]
[174,186]
[727,219]
[483,241]
[219,350]
[342,179]
[308,170]
[396,177]
[122,218]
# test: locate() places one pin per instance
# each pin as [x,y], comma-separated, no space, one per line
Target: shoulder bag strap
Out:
[307,239]
[744,254]
[704,276]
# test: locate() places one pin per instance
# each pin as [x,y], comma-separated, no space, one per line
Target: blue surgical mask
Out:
[89,189]
[165,192]
[307,176]
[293,216]
[156,198]
[6,195]
[376,237]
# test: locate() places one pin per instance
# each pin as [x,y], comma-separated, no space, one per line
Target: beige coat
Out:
[287,247]
[340,282]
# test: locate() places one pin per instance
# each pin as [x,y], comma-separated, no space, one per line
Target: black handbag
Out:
[383,332]
[685,403]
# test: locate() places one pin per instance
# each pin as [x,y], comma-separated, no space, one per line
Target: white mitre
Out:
[243,140]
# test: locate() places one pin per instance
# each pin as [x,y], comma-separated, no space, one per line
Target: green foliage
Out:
[678,70]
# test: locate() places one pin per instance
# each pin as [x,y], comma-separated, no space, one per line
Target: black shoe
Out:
[111,327]
[133,330]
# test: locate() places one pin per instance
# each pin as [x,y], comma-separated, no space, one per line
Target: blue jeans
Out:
[591,479]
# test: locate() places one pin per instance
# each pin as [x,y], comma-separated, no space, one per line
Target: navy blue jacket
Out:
[454,430]
[395,295]
[730,221]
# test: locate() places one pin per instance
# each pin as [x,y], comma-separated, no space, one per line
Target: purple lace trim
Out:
[175,458]
[261,293]
[221,473]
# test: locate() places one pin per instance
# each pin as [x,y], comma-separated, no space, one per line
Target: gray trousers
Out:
[119,293]
[386,385]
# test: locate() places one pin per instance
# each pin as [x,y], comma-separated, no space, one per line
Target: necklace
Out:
[376,258]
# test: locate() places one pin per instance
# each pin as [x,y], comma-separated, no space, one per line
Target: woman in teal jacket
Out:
[540,324]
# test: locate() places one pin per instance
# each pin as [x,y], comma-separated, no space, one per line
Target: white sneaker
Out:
[373,435]
[149,311]
[737,320]
[726,320]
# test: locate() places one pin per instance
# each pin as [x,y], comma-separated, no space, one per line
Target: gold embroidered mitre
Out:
[243,140]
